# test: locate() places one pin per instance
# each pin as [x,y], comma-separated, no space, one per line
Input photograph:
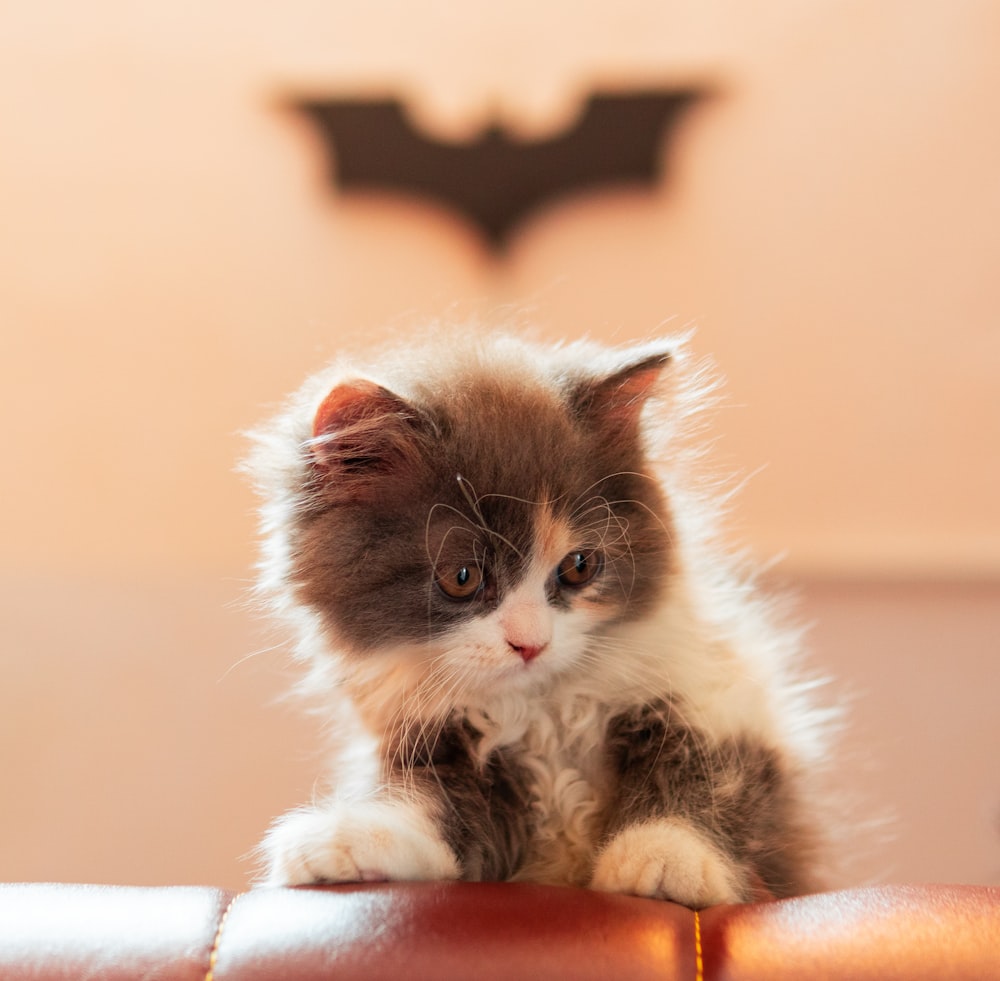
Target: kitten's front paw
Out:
[667,859]
[361,842]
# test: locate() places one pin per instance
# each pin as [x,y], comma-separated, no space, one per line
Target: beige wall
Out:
[171,263]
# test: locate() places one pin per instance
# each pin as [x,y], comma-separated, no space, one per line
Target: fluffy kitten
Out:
[535,662]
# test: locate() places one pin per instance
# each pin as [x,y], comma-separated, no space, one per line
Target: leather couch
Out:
[474,931]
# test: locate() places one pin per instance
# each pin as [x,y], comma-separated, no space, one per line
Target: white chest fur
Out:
[559,742]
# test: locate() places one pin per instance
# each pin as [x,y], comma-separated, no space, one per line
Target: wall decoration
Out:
[494,179]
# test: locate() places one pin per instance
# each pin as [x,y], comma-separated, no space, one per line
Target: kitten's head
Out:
[487,511]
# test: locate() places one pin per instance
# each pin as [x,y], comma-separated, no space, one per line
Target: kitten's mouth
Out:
[526,672]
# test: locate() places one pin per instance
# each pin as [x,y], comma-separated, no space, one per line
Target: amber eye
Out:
[578,568]
[462,583]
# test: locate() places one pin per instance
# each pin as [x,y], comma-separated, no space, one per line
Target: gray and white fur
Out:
[536,661]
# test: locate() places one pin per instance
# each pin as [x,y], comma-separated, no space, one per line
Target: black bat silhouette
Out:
[495,180]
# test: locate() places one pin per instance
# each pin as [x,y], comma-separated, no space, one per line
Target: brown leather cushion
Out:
[447,931]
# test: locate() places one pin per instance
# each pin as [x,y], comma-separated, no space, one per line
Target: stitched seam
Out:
[213,954]
[699,964]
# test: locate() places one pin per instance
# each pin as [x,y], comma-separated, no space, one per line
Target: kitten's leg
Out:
[694,821]
[357,841]
[446,814]
[485,813]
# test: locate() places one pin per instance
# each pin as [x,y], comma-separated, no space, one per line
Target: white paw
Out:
[667,859]
[361,842]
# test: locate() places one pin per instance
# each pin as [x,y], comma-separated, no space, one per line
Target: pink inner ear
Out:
[622,396]
[348,404]
[635,387]
[361,429]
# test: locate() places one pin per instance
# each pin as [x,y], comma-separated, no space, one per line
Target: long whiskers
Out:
[421,717]
[637,503]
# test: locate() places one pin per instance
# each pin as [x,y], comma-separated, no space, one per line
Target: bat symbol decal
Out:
[494,180]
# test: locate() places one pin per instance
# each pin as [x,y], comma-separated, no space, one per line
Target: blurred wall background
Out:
[172,263]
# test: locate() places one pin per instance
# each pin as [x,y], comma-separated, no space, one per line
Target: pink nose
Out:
[526,652]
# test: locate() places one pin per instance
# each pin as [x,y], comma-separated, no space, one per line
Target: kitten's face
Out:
[493,526]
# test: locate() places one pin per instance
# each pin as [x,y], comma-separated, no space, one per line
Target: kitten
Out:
[537,665]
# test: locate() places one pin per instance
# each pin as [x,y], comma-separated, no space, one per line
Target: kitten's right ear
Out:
[360,431]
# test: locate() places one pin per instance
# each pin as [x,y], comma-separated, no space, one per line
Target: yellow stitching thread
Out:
[699,966]
[213,955]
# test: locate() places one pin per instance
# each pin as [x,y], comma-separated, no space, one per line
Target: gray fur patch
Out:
[486,811]
[736,791]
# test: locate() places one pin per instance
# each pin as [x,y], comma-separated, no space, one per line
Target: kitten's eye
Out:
[578,568]
[462,583]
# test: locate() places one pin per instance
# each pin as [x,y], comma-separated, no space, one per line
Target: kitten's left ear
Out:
[615,399]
